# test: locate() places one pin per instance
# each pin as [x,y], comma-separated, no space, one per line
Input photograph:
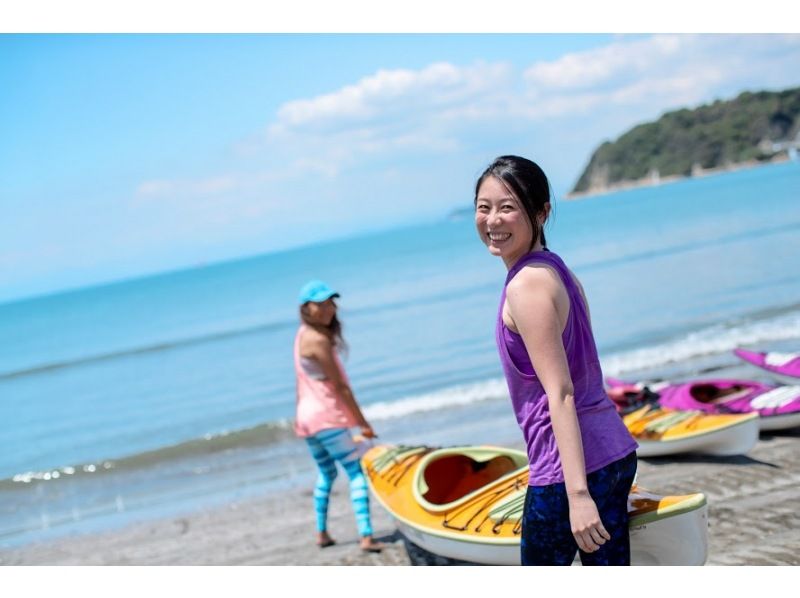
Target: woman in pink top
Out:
[327,409]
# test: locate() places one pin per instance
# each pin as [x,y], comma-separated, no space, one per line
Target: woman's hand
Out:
[367,432]
[587,528]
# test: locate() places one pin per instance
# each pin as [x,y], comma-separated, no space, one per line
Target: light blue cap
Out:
[317,291]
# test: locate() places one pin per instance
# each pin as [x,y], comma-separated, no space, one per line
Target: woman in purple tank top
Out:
[582,458]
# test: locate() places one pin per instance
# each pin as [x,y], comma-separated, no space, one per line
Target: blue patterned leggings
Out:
[327,447]
[546,534]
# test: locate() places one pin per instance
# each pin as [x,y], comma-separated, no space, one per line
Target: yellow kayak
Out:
[661,431]
[465,503]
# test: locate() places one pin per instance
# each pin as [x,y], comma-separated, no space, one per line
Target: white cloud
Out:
[622,60]
[661,72]
[392,118]
[390,112]
[403,93]
[155,188]
[170,189]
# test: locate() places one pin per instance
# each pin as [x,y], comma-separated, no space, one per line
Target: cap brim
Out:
[322,297]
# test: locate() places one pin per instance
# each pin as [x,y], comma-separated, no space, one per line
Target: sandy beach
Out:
[753,520]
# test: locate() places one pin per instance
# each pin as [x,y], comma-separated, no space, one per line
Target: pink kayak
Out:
[778,407]
[784,367]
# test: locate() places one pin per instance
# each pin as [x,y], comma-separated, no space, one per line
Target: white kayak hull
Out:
[473,552]
[678,540]
[773,423]
[733,440]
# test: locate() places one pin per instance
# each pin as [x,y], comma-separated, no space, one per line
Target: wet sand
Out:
[753,520]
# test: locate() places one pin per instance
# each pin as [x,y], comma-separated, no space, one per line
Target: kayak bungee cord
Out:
[487,502]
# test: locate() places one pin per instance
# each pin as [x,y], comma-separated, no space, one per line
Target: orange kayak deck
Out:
[477,493]
[657,423]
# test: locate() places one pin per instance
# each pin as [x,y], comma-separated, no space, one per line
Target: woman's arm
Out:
[539,305]
[320,348]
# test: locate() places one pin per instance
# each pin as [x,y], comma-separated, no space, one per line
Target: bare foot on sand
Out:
[370,545]
[324,540]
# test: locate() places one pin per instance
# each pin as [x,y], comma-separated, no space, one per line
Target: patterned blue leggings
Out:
[327,447]
[546,534]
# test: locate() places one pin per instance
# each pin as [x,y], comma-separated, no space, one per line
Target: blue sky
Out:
[123,155]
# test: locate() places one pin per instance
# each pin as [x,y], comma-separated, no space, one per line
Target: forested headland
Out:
[755,127]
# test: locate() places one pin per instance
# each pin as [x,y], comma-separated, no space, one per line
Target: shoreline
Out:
[275,526]
[752,521]
[650,181]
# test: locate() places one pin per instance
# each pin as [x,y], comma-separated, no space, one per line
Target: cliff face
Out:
[752,127]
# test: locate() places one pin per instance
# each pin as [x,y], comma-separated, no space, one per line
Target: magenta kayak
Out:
[778,407]
[785,367]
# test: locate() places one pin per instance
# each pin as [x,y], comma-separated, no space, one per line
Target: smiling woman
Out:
[582,458]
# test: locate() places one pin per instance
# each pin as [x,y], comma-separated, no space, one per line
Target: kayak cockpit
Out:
[449,477]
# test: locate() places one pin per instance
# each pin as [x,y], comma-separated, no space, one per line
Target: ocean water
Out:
[174,392]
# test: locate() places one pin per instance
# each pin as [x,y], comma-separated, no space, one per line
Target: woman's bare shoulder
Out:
[535,278]
[537,290]
[313,340]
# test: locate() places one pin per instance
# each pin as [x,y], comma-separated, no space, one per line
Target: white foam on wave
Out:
[453,396]
[708,341]
[713,340]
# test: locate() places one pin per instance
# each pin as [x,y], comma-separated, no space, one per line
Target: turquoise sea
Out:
[175,392]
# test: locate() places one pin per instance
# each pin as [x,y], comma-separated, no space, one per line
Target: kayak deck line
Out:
[486,504]
[387,465]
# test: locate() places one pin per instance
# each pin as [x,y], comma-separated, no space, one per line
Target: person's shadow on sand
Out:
[773,434]
[390,538]
[710,459]
[395,536]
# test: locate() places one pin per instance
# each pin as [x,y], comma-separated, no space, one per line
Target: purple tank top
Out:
[605,438]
